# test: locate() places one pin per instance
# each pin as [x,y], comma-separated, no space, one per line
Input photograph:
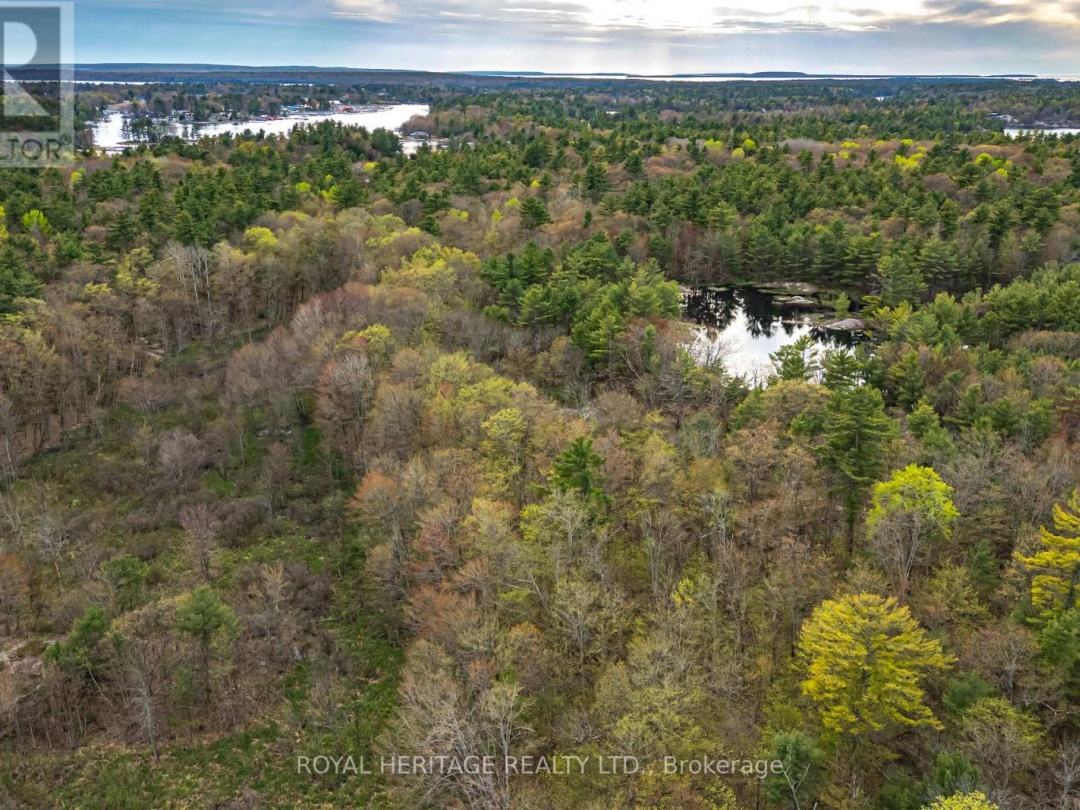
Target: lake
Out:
[744,325]
[110,133]
[1014,132]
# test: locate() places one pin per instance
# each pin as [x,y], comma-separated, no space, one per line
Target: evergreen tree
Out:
[866,659]
[1056,565]
[534,214]
[15,280]
[203,616]
[856,431]
[577,468]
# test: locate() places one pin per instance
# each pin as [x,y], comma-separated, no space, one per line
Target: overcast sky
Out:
[640,36]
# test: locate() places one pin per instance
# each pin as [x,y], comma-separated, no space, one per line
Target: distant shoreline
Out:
[168,73]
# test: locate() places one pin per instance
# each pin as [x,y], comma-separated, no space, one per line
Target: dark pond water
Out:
[745,325]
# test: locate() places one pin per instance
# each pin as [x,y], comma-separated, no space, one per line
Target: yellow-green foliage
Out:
[1000,166]
[909,163]
[738,152]
[462,412]
[129,282]
[865,659]
[434,269]
[378,338]
[381,230]
[389,238]
[916,494]
[963,801]
[1057,564]
[35,220]
[375,340]
[96,290]
[260,240]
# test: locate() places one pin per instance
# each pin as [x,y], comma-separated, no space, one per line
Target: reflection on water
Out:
[114,131]
[745,325]
[1015,132]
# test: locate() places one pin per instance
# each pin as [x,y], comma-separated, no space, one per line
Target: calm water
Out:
[1013,132]
[745,325]
[111,133]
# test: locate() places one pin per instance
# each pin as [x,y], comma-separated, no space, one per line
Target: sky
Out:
[578,36]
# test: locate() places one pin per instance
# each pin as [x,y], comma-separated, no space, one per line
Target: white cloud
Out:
[705,16]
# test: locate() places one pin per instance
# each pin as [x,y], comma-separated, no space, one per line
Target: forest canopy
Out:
[311,447]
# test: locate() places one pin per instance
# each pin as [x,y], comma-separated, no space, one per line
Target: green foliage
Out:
[909,511]
[963,692]
[126,576]
[856,431]
[203,616]
[578,468]
[16,281]
[802,771]
[899,279]
[81,651]
[951,774]
[204,314]
[534,214]
[797,361]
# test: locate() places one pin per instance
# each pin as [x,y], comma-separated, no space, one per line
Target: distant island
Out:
[177,72]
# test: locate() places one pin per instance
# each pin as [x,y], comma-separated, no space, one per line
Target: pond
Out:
[744,325]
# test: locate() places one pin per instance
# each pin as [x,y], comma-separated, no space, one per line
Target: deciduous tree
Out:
[910,510]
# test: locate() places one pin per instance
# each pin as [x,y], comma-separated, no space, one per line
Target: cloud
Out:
[913,36]
[688,18]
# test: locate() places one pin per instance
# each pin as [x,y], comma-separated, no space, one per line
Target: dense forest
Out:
[309,448]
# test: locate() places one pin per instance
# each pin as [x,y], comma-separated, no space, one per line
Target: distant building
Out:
[419,136]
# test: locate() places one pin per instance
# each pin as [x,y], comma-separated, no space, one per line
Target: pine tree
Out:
[797,361]
[866,658]
[856,432]
[534,214]
[578,468]
[939,263]
[899,279]
[203,616]
[15,280]
[1056,566]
